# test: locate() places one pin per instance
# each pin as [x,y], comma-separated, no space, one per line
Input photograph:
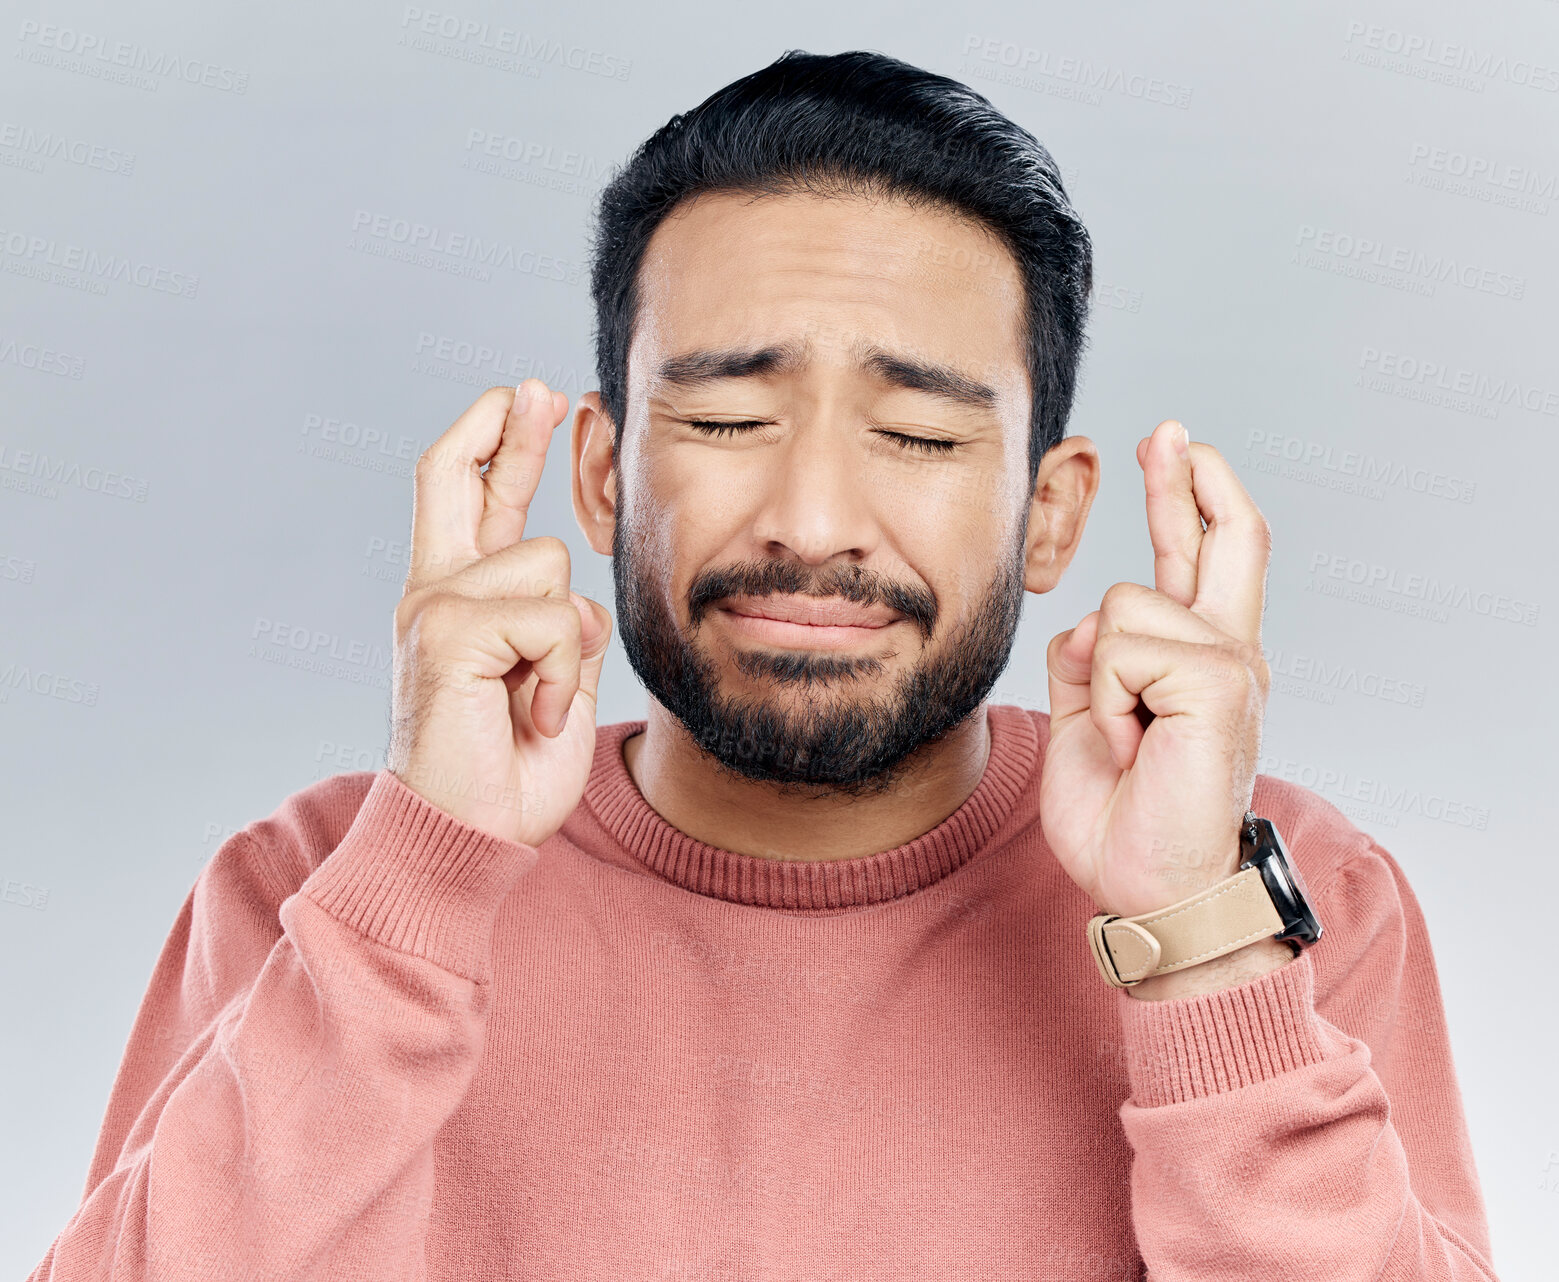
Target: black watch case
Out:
[1262,848]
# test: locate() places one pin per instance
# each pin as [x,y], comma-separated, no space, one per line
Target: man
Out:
[825,969]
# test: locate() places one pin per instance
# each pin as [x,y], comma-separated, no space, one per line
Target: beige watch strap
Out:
[1235,912]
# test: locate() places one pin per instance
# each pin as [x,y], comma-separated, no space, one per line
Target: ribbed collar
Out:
[694,865]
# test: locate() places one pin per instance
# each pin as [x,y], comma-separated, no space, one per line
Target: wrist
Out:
[1181,875]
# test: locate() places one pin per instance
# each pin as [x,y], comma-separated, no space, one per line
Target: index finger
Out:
[450,528]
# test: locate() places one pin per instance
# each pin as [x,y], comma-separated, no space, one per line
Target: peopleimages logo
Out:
[59,262]
[44,360]
[1324,463]
[36,146]
[482,364]
[1371,583]
[43,41]
[455,252]
[483,42]
[42,681]
[1387,802]
[1428,58]
[533,152]
[1024,60]
[339,440]
[32,472]
[1455,386]
[1526,179]
[1377,260]
[320,643]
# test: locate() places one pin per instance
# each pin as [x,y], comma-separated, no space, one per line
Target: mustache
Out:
[787,578]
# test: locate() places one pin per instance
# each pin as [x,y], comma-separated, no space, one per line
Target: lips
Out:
[817,612]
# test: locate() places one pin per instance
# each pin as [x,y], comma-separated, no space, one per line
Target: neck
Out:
[695,794]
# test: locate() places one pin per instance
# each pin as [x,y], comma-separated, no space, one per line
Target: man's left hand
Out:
[1157,697]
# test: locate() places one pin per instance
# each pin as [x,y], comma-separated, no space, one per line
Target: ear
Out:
[1064,491]
[595,472]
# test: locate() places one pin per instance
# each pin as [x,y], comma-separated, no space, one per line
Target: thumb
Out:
[1069,658]
[595,634]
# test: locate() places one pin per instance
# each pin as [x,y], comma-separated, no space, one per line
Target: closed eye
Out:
[721,429]
[925,444]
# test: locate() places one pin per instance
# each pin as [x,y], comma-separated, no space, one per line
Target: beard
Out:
[819,740]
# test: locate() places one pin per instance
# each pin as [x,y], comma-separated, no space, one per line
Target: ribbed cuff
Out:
[1184,1048]
[414,878]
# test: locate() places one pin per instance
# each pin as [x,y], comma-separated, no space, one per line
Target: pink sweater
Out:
[380,1044]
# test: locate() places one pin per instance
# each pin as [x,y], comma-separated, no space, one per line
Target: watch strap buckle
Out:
[1129,954]
[1226,916]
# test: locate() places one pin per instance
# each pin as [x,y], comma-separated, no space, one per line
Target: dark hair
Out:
[846,122]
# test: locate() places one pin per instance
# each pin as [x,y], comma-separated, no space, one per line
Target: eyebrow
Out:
[700,368]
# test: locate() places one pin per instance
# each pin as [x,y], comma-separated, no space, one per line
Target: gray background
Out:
[238,460]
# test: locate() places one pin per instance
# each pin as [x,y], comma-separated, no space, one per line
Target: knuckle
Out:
[573,628]
[412,610]
[432,623]
[1262,675]
[553,554]
[1117,594]
[427,463]
[553,613]
[1227,672]
[434,563]
[406,612]
[1239,679]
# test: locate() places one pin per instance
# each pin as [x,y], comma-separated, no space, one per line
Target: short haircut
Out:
[857,122]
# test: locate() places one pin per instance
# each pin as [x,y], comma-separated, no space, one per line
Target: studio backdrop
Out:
[253,260]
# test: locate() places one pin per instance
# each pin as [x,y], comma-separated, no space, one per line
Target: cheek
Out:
[718,488]
[961,560]
[676,533]
[964,498]
[945,524]
[703,508]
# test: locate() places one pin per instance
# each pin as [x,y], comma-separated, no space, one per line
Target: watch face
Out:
[1291,871]
[1286,884]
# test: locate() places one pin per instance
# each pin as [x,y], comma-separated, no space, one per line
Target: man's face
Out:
[917,548]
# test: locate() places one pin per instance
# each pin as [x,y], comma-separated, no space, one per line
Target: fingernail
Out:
[563,724]
[1182,442]
[522,396]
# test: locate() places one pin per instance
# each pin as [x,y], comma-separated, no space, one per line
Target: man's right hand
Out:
[492,648]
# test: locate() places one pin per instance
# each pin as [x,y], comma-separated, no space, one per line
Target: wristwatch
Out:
[1266,898]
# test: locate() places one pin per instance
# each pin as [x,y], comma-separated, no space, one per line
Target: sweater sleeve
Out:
[1311,1115]
[295,1054]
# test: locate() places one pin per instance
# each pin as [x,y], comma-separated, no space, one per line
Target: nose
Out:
[816,504]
